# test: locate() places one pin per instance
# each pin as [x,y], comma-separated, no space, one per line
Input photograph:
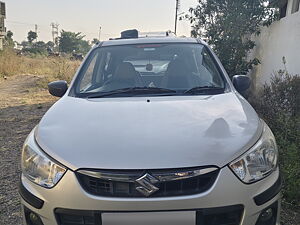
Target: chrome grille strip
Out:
[183,174]
[160,175]
[110,176]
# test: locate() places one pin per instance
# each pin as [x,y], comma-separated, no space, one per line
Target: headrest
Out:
[125,71]
[177,67]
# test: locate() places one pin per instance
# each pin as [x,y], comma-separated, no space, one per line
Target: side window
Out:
[87,79]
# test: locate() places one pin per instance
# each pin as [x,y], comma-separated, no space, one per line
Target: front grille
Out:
[123,183]
[229,215]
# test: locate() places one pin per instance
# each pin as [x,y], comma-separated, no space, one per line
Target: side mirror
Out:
[241,83]
[58,88]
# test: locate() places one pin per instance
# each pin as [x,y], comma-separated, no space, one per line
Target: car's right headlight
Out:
[38,167]
[259,161]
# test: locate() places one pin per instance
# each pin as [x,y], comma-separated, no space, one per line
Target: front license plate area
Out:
[150,218]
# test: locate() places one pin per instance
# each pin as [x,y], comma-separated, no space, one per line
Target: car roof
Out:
[152,40]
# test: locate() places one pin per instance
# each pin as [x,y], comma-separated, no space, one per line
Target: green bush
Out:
[278,103]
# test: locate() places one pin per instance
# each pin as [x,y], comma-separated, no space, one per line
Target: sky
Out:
[87,16]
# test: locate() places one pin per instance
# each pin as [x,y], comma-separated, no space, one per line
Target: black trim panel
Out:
[221,209]
[30,198]
[269,193]
[202,215]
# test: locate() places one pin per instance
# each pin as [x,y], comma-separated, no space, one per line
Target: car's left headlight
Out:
[259,161]
[37,166]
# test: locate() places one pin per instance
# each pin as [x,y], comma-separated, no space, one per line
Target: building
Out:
[281,39]
[2,25]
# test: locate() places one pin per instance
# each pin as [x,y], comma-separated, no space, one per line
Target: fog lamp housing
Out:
[32,218]
[268,216]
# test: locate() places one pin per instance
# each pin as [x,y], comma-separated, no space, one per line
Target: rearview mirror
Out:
[241,83]
[58,88]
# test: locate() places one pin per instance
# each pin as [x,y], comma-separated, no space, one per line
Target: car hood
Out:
[148,133]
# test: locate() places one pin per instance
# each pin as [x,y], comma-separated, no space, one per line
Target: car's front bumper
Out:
[228,192]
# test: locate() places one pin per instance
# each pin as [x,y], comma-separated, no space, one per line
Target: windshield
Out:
[152,67]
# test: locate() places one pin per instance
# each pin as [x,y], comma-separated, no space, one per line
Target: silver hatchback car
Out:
[150,131]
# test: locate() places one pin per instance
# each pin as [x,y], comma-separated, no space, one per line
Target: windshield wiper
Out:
[133,90]
[201,89]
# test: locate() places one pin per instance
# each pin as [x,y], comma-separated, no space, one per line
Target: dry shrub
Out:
[9,63]
[62,68]
[49,68]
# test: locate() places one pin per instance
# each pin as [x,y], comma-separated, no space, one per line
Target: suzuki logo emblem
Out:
[145,184]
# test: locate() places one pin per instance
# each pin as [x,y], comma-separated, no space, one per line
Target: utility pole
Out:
[36,31]
[54,27]
[99,33]
[176,14]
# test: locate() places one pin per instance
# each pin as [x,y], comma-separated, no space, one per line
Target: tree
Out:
[31,36]
[84,46]
[50,44]
[25,44]
[95,41]
[227,25]
[70,42]
[9,34]
[8,39]
[38,47]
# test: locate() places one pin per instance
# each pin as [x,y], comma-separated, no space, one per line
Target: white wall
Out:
[280,39]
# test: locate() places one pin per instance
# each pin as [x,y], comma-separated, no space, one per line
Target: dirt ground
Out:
[22,104]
